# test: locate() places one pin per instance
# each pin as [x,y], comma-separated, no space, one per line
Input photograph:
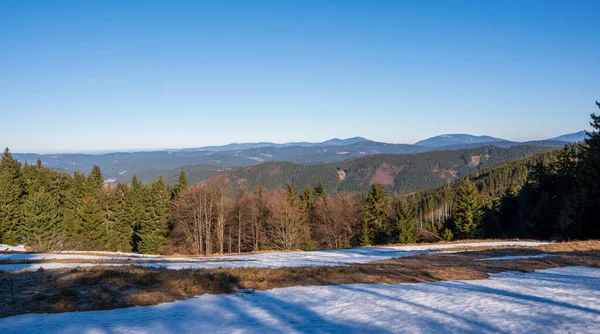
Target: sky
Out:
[88,76]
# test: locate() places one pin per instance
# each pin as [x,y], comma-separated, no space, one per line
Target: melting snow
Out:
[260,260]
[7,248]
[555,300]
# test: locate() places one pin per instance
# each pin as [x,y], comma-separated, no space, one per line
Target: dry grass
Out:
[100,288]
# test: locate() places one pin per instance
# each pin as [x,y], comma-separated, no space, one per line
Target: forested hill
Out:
[400,173]
[121,166]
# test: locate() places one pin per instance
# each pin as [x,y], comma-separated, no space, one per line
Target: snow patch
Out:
[7,248]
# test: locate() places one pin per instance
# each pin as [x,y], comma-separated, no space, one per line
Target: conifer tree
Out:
[590,179]
[374,214]
[84,219]
[136,213]
[292,194]
[95,179]
[468,211]
[153,230]
[12,192]
[405,221]
[320,191]
[181,185]
[307,199]
[41,220]
[118,226]
[366,234]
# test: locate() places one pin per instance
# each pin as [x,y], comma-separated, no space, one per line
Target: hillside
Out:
[400,173]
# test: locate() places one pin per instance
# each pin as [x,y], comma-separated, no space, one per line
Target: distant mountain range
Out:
[571,137]
[121,166]
[246,146]
[445,141]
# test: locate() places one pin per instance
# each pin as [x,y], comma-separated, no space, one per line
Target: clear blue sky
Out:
[117,75]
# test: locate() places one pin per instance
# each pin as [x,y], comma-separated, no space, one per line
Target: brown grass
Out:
[100,288]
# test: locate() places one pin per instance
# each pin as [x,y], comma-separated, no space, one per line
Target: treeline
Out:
[549,195]
[554,195]
[50,210]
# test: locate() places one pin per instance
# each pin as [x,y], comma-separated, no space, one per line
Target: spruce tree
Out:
[590,180]
[292,194]
[155,228]
[320,191]
[84,219]
[181,185]
[119,227]
[12,192]
[374,214]
[95,179]
[307,199]
[41,220]
[405,221]
[468,211]
[366,234]
[136,213]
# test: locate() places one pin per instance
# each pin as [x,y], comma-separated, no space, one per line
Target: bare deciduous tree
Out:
[286,225]
[337,220]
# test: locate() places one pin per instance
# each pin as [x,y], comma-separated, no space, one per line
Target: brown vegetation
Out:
[386,174]
[206,221]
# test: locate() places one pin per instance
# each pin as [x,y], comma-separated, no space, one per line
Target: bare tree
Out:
[286,223]
[260,213]
[190,220]
[219,189]
[337,220]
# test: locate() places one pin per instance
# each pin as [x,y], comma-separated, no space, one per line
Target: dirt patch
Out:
[444,173]
[386,174]
[275,171]
[341,174]
[100,288]
[475,160]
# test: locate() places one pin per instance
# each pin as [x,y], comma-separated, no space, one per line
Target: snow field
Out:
[560,300]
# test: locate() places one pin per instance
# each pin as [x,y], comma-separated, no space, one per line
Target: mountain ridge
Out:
[121,165]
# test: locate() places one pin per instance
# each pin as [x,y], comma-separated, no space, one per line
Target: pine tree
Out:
[374,214]
[320,191]
[84,218]
[41,219]
[181,185]
[468,211]
[136,212]
[590,180]
[12,192]
[307,199]
[95,179]
[366,234]
[447,235]
[405,221]
[153,231]
[118,226]
[292,194]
